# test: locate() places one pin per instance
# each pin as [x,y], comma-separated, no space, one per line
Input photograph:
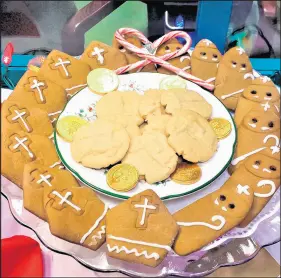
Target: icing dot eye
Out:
[254,120]
[231,206]
[271,124]
[215,55]
[167,47]
[203,53]
[272,168]
[243,65]
[269,94]
[253,92]
[222,198]
[234,63]
[257,162]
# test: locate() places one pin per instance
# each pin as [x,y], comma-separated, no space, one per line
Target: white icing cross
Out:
[276,148]
[243,189]
[37,85]
[265,79]
[207,42]
[63,63]
[97,51]
[265,106]
[64,199]
[145,206]
[20,116]
[45,179]
[240,50]
[21,143]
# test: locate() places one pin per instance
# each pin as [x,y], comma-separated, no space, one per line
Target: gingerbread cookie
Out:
[211,216]
[235,73]
[35,178]
[101,55]
[136,232]
[66,71]
[175,99]
[99,144]
[19,148]
[205,59]
[262,94]
[191,136]
[19,117]
[77,215]
[152,156]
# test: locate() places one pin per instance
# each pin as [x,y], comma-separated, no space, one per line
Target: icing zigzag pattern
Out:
[134,251]
[98,236]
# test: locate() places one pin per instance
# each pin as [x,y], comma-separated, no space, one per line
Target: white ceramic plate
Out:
[83,105]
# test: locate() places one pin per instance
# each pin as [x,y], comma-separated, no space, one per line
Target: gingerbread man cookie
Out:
[211,216]
[136,232]
[205,59]
[235,73]
[262,94]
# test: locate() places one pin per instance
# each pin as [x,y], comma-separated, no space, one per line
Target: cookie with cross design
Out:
[101,55]
[212,216]
[77,215]
[66,71]
[262,94]
[205,59]
[140,230]
[235,73]
[19,148]
[35,178]
[19,117]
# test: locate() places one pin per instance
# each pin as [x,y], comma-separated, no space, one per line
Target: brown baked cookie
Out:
[66,71]
[37,91]
[77,215]
[262,174]
[211,216]
[205,59]
[37,176]
[262,94]
[235,73]
[140,230]
[19,117]
[101,55]
[20,148]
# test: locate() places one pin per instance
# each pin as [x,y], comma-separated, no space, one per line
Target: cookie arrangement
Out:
[162,133]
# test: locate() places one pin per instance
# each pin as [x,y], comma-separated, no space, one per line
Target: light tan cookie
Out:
[211,216]
[157,123]
[77,215]
[191,136]
[175,99]
[66,71]
[136,232]
[133,130]
[101,55]
[20,148]
[120,107]
[35,178]
[262,174]
[19,117]
[235,73]
[142,128]
[205,59]
[152,156]
[99,144]
[262,94]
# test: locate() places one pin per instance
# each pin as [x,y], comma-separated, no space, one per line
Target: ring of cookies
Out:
[162,133]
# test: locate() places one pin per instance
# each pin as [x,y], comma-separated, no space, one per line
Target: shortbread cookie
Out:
[262,94]
[19,117]
[120,107]
[140,230]
[235,73]
[152,156]
[37,176]
[211,216]
[77,215]
[20,148]
[157,123]
[99,144]
[191,136]
[262,174]
[66,71]
[175,99]
[101,55]
[205,59]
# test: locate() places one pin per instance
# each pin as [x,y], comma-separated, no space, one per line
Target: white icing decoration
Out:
[216,202]
[255,96]
[276,148]
[276,107]
[215,59]
[270,193]
[36,85]
[204,57]
[265,128]
[224,208]
[54,113]
[64,199]
[97,52]
[244,156]
[265,79]
[75,87]
[186,68]
[266,170]
[243,189]
[145,206]
[214,227]
[240,50]
[207,42]
[96,224]
[57,163]
[20,116]
[182,58]
[229,95]
[267,98]
[249,75]
[168,50]
[234,65]
[63,63]
[265,106]
[252,125]
[45,179]
[255,166]
[21,143]
[210,79]
[243,68]
[96,238]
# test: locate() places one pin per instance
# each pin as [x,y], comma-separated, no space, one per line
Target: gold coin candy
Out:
[221,127]
[186,173]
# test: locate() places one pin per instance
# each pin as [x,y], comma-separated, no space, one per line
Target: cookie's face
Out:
[263,166]
[206,54]
[259,121]
[168,47]
[261,93]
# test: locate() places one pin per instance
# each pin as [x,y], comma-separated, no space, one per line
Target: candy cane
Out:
[151,58]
